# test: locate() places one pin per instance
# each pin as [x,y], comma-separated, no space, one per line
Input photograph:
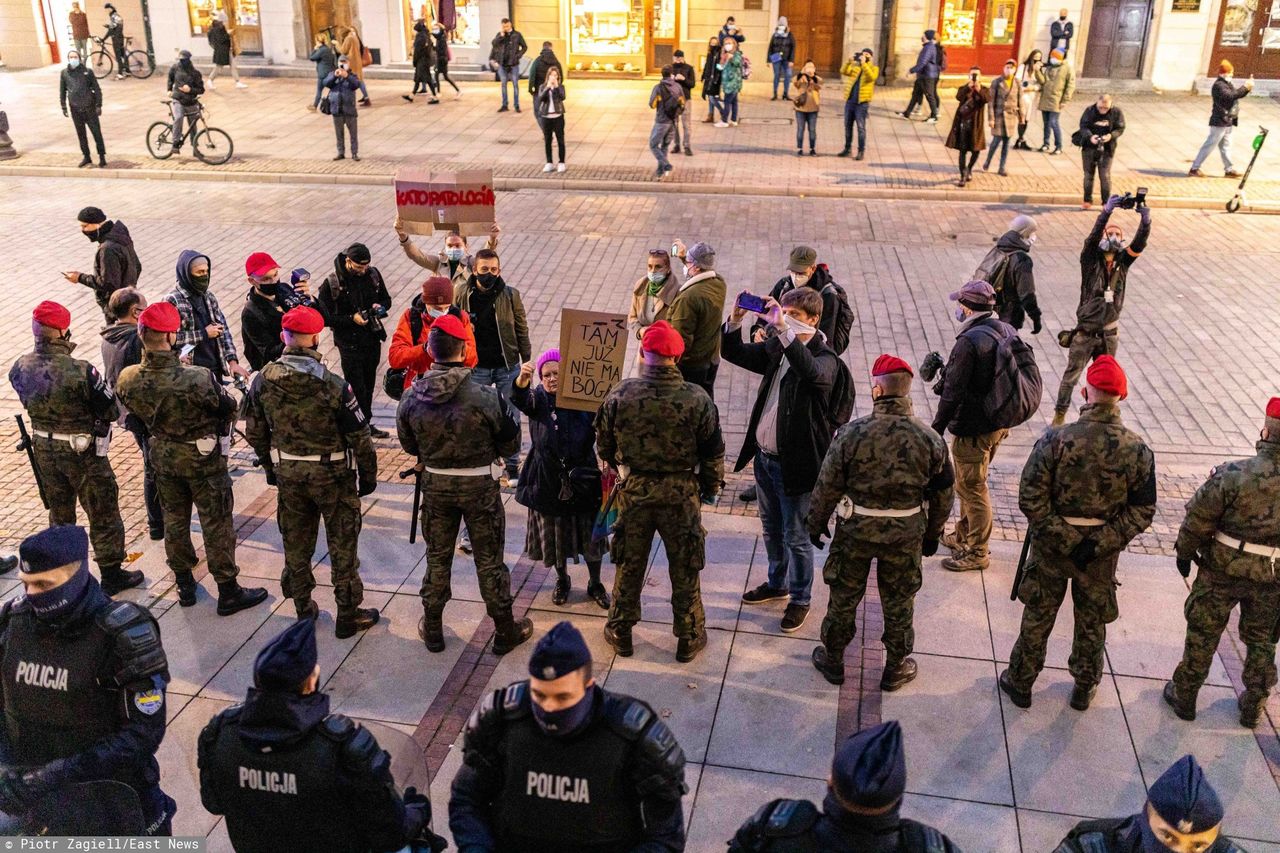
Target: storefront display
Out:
[466,28]
[959,18]
[608,29]
[201,13]
[979,32]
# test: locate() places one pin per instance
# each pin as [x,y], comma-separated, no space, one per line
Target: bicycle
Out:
[102,60]
[211,145]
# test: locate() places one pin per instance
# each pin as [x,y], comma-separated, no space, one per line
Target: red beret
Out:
[161,317]
[662,339]
[53,315]
[303,320]
[451,326]
[1105,375]
[890,364]
[259,264]
[1273,408]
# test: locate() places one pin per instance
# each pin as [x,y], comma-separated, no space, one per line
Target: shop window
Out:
[1271,30]
[201,13]
[1000,22]
[466,29]
[959,21]
[1237,23]
[664,19]
[246,14]
[610,27]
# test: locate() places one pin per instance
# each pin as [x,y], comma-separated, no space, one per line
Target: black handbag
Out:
[326,107]
[580,488]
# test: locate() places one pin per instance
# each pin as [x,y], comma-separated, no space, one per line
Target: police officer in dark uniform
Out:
[860,812]
[83,681]
[292,778]
[556,764]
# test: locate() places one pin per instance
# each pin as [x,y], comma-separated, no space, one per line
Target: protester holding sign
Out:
[453,261]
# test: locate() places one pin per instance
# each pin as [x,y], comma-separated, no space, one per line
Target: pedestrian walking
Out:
[661,435]
[807,102]
[1100,127]
[1105,262]
[782,56]
[1087,490]
[79,23]
[204,326]
[70,406]
[889,481]
[408,351]
[966,134]
[343,83]
[930,63]
[1224,117]
[696,315]
[1061,32]
[666,99]
[730,67]
[860,75]
[968,379]
[1006,114]
[326,60]
[354,299]
[542,63]
[1009,270]
[115,263]
[352,47]
[222,40]
[787,435]
[1057,84]
[652,295]
[1029,94]
[711,78]
[115,32]
[424,63]
[683,73]
[443,55]
[508,48]
[560,483]
[548,107]
[1229,531]
[453,261]
[185,85]
[78,89]
[312,437]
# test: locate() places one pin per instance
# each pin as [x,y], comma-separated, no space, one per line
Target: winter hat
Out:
[703,255]
[437,290]
[289,659]
[1225,67]
[929,34]
[53,315]
[1023,224]
[552,354]
[92,216]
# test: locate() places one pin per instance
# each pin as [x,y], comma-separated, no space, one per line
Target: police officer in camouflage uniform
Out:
[860,813]
[312,437]
[82,685]
[889,478]
[188,416]
[1087,490]
[557,764]
[456,428]
[1232,530]
[71,410]
[662,435]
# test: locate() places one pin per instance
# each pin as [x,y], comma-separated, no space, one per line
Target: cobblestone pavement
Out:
[1199,341]
[607,135]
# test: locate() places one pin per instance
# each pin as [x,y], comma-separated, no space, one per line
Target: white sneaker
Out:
[240,85]
[720,124]
[560,168]
[733,124]
[212,88]
[458,96]
[549,168]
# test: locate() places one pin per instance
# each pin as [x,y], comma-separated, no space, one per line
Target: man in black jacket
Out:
[1101,125]
[185,85]
[542,63]
[787,437]
[268,300]
[803,270]
[681,129]
[1222,119]
[1008,268]
[116,264]
[79,89]
[968,377]
[504,57]
[354,300]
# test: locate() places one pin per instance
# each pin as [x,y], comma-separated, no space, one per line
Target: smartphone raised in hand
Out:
[751,302]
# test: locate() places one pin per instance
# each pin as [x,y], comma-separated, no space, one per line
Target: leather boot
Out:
[232,598]
[1251,705]
[898,674]
[431,630]
[829,663]
[351,623]
[688,647]
[1019,697]
[620,640]
[1184,707]
[1082,695]
[509,633]
[309,610]
[186,588]
[117,580]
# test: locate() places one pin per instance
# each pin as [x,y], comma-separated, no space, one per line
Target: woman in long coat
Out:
[968,134]
[424,63]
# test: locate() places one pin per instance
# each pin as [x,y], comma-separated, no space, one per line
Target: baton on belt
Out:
[416,473]
[25,444]
[1022,566]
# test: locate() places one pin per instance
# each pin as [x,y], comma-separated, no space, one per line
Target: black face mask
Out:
[487,280]
[93,236]
[200,283]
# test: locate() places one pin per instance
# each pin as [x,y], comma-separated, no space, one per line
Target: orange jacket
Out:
[411,355]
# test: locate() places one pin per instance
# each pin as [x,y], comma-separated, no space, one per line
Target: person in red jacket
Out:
[409,343]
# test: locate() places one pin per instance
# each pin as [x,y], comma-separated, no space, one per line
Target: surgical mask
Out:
[799,327]
[487,279]
[344,66]
[54,603]
[657,277]
[566,721]
[960,315]
[199,283]
[435,313]
[454,253]
[73,63]
[1032,239]
[1111,244]
[800,279]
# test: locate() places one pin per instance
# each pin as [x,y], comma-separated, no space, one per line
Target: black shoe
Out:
[1021,698]
[355,157]
[844,152]
[408,98]
[340,157]
[763,594]
[774,98]
[858,156]
[232,598]
[668,168]
[88,161]
[1044,149]
[597,593]
[350,624]
[378,433]
[660,172]
[510,634]
[365,102]
[120,580]
[1251,705]
[813,153]
[899,674]
[687,649]
[748,494]
[102,162]
[1182,709]
[831,667]
[187,587]
[517,109]
[310,610]
[561,594]
[1082,695]
[502,109]
[688,152]
[794,617]
[1002,173]
[8,564]
[431,632]
[620,640]
[155,533]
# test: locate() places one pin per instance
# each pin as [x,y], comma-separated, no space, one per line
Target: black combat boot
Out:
[898,674]
[351,622]
[1082,695]
[1184,709]
[431,630]
[1019,697]
[187,587]
[829,663]
[117,580]
[688,647]
[232,598]
[620,639]
[308,610]
[1251,705]
[509,633]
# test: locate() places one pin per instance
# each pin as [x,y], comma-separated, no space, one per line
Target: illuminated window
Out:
[1237,22]
[959,20]
[608,27]
[201,13]
[1000,21]
[466,30]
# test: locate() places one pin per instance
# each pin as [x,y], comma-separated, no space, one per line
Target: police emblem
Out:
[1184,826]
[148,701]
[548,673]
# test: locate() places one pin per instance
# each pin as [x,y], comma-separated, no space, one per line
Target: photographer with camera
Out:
[1100,128]
[354,300]
[860,75]
[267,301]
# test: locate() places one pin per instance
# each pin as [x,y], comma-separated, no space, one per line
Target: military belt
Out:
[1249,548]
[337,456]
[885,513]
[478,471]
[69,438]
[1076,521]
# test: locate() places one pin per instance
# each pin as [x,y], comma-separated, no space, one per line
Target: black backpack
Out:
[844,317]
[840,404]
[1016,388]
[994,269]
[393,380]
[669,95]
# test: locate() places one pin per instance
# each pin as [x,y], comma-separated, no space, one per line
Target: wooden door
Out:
[980,32]
[1117,39]
[818,27]
[328,16]
[1249,36]
[661,27]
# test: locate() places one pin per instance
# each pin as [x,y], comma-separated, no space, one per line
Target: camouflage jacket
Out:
[448,421]
[61,393]
[178,402]
[886,460]
[297,405]
[1094,468]
[657,423]
[1242,500]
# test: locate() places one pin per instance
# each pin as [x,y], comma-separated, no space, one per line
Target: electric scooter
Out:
[1238,198]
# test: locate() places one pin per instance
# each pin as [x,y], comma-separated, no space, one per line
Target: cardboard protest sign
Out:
[430,201]
[593,354]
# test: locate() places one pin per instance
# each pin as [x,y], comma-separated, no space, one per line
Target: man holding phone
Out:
[861,74]
[204,327]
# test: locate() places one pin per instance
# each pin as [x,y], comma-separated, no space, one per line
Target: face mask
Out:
[74,63]
[1032,239]
[268,288]
[657,277]
[93,236]
[1111,244]
[689,272]
[344,66]
[1062,18]
[798,327]
[487,280]
[435,313]
[566,721]
[454,253]
[51,604]
[199,283]
[800,279]
[960,315]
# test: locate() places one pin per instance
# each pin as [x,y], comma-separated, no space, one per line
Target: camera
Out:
[373,316]
[1131,201]
[288,298]
[933,367]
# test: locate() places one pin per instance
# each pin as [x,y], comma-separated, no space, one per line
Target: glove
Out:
[367,485]
[20,791]
[1144,212]
[411,795]
[1184,567]
[271,476]
[816,538]
[1035,325]
[1112,204]
[929,548]
[1083,553]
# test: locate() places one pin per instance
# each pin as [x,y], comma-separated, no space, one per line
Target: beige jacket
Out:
[350,47]
[437,262]
[636,321]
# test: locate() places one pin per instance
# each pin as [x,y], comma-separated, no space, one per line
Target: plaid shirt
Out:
[189,334]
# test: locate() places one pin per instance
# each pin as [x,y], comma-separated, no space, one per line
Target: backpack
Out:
[669,95]
[994,269]
[393,379]
[840,404]
[942,56]
[844,317]
[1016,388]
[746,66]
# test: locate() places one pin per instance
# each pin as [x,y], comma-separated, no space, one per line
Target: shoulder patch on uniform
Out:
[119,614]
[149,702]
[515,700]
[790,817]
[1093,842]
[629,716]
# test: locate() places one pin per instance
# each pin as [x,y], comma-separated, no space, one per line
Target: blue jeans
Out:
[512,76]
[1051,123]
[501,379]
[785,539]
[319,90]
[658,140]
[781,72]
[809,120]
[856,114]
[729,107]
[1001,142]
[1219,137]
[713,104]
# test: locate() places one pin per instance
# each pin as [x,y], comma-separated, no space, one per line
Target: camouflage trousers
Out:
[1043,589]
[668,506]
[68,476]
[1209,605]
[205,485]
[447,501]
[897,577]
[307,492]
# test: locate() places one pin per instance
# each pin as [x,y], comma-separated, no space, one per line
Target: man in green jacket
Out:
[696,313]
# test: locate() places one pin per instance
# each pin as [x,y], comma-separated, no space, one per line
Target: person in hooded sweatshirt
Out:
[860,813]
[115,265]
[1008,268]
[204,326]
[292,778]
[354,299]
[186,85]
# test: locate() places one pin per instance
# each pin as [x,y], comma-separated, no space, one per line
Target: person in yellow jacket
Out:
[860,74]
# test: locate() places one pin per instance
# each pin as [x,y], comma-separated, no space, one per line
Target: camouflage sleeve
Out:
[710,450]
[606,445]
[940,491]
[1035,499]
[101,400]
[830,486]
[1204,514]
[404,429]
[1139,510]
[256,427]
[506,432]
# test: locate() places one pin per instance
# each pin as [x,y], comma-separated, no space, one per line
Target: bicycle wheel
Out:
[140,65]
[101,63]
[213,146]
[160,140]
